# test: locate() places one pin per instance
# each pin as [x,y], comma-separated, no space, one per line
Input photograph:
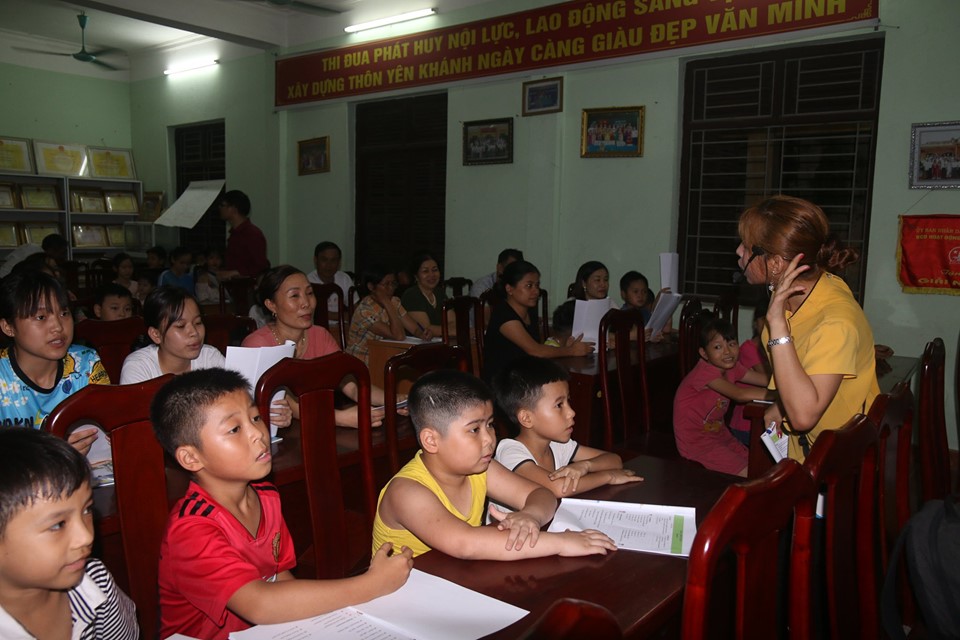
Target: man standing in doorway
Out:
[246,253]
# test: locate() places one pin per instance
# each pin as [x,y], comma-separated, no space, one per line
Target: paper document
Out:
[638,527]
[252,362]
[670,271]
[187,210]
[777,443]
[587,316]
[414,340]
[100,457]
[666,305]
[425,608]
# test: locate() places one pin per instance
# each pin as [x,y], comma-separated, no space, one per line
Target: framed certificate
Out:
[8,196]
[9,237]
[91,201]
[152,205]
[16,156]
[39,196]
[89,236]
[61,159]
[35,232]
[115,235]
[121,202]
[111,163]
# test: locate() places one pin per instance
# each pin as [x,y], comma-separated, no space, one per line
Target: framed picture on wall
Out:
[152,205]
[16,155]
[121,202]
[612,132]
[9,235]
[935,155]
[35,232]
[91,201]
[542,96]
[88,236]
[61,159]
[313,156]
[8,196]
[39,196]
[111,163]
[488,141]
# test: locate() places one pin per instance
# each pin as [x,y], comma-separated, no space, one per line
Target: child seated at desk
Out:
[535,395]
[701,403]
[112,302]
[226,554]
[436,500]
[50,587]
[635,291]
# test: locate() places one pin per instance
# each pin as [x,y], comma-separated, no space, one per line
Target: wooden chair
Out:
[353,297]
[932,425]
[419,360]
[544,315]
[691,318]
[751,519]
[242,294]
[338,538]
[99,272]
[321,315]
[123,412]
[462,308]
[457,285]
[224,330]
[727,306]
[572,619]
[842,464]
[113,340]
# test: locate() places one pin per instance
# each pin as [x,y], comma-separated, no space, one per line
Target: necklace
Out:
[301,345]
[430,297]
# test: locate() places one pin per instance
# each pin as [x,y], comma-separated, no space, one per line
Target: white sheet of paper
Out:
[638,527]
[344,624]
[777,444]
[187,210]
[587,316]
[100,449]
[251,362]
[666,305]
[670,271]
[415,340]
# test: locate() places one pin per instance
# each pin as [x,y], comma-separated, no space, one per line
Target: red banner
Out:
[553,36]
[929,254]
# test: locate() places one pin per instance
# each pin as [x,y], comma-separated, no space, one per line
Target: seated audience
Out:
[216,577]
[483,284]
[178,275]
[326,262]
[592,283]
[112,302]
[123,268]
[156,258]
[424,300]
[436,501]
[51,587]
[205,277]
[635,291]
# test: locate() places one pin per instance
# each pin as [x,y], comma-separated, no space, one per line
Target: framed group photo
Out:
[935,155]
[313,156]
[542,96]
[612,132]
[488,141]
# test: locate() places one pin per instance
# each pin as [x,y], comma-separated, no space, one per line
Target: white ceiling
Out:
[157,29]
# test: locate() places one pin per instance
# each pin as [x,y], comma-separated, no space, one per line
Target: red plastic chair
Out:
[113,340]
[932,424]
[572,619]
[749,520]
[321,315]
[224,330]
[462,308]
[123,412]
[843,464]
[419,360]
[314,382]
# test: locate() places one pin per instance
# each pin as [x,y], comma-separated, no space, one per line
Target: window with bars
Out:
[201,152]
[798,121]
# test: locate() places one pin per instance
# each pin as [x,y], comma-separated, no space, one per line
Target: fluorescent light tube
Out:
[192,66]
[382,22]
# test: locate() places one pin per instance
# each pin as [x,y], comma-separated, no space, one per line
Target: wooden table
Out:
[643,591]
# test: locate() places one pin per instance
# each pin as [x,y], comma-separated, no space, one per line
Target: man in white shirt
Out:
[485,283]
[326,259]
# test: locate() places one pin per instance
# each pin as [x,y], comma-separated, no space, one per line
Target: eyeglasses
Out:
[390,284]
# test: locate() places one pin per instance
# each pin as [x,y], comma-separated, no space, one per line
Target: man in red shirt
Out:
[246,253]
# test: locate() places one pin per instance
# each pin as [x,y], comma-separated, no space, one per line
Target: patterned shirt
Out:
[368,313]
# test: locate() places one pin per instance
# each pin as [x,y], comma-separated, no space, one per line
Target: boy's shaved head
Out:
[440,397]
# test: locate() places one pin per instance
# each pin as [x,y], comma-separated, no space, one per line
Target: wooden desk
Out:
[643,591]
[663,377]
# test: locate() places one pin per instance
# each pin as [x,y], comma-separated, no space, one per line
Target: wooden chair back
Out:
[544,315]
[842,464]
[932,425]
[691,321]
[321,314]
[314,382]
[572,619]
[113,340]
[99,272]
[353,296]
[626,395]
[727,306]
[242,294]
[457,285]
[224,330]
[123,412]
[419,360]
[750,519]
[466,309]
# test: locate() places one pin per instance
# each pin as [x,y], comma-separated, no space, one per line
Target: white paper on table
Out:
[180,636]
[670,271]
[666,305]
[415,340]
[187,210]
[425,608]
[638,527]
[587,315]
[252,362]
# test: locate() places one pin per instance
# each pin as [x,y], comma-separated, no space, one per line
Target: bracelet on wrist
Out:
[776,341]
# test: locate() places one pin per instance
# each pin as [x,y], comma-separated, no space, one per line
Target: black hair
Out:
[271,281]
[419,258]
[35,465]
[158,251]
[179,409]
[509,254]
[164,306]
[716,326]
[584,272]
[323,246]
[372,275]
[239,200]
[512,274]
[39,261]
[563,316]
[630,277]
[520,384]
[440,397]
[179,252]
[54,241]
[119,258]
[22,293]
[111,289]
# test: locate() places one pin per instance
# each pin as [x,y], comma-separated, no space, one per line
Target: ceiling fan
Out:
[299,5]
[83,55]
